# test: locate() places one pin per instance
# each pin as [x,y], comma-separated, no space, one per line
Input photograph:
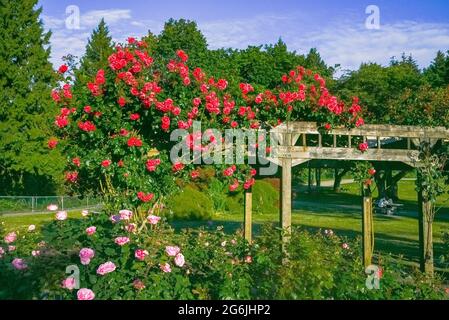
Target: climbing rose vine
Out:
[116,131]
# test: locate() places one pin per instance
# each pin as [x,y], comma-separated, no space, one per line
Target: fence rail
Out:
[38,204]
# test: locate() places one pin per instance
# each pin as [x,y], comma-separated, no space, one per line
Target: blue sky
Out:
[336,28]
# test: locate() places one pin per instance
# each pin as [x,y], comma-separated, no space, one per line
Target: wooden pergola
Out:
[299,142]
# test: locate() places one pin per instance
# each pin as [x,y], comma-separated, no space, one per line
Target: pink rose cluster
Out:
[10,237]
[152,219]
[121,241]
[69,283]
[19,264]
[86,254]
[175,251]
[140,254]
[106,268]
[85,294]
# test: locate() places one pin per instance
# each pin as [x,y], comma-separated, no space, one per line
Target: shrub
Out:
[265,199]
[190,204]
[215,265]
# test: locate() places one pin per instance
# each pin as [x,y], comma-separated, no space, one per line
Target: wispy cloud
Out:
[351,45]
[345,42]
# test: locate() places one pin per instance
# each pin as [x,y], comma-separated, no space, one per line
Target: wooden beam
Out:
[367,230]
[369,130]
[248,223]
[328,153]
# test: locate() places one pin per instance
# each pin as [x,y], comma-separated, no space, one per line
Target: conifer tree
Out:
[98,49]
[26,109]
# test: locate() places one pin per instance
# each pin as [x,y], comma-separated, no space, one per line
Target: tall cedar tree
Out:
[26,78]
[98,49]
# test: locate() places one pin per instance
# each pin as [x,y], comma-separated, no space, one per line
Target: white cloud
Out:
[110,16]
[345,42]
[351,45]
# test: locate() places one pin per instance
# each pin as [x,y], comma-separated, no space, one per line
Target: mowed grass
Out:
[340,212]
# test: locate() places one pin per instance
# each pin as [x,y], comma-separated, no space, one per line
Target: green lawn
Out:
[341,212]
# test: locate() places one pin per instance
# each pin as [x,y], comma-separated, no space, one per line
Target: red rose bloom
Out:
[71,176]
[363,146]
[63,69]
[76,162]
[52,143]
[152,164]
[182,55]
[106,163]
[134,116]
[194,174]
[145,197]
[121,101]
[134,142]
[178,166]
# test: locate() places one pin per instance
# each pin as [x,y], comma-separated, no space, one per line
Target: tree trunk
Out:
[318,178]
[380,183]
[338,177]
[309,178]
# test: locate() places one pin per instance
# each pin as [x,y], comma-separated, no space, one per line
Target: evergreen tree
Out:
[437,74]
[26,109]
[98,49]
[182,34]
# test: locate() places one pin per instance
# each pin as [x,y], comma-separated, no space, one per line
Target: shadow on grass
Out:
[400,247]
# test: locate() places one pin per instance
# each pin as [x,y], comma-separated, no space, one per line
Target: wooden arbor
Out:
[299,142]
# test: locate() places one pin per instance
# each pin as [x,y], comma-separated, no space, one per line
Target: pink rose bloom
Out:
[85,213]
[35,253]
[91,230]
[61,215]
[10,237]
[125,214]
[248,259]
[179,260]
[85,294]
[140,254]
[115,218]
[52,207]
[172,251]
[11,248]
[121,241]
[2,251]
[152,219]
[86,254]
[19,264]
[165,267]
[106,268]
[345,246]
[31,228]
[132,227]
[69,283]
[138,284]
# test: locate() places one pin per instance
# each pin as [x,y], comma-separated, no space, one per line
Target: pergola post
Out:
[248,223]
[286,199]
[367,229]
[425,235]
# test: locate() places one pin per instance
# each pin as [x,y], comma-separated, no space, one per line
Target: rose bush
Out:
[207,263]
[116,131]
